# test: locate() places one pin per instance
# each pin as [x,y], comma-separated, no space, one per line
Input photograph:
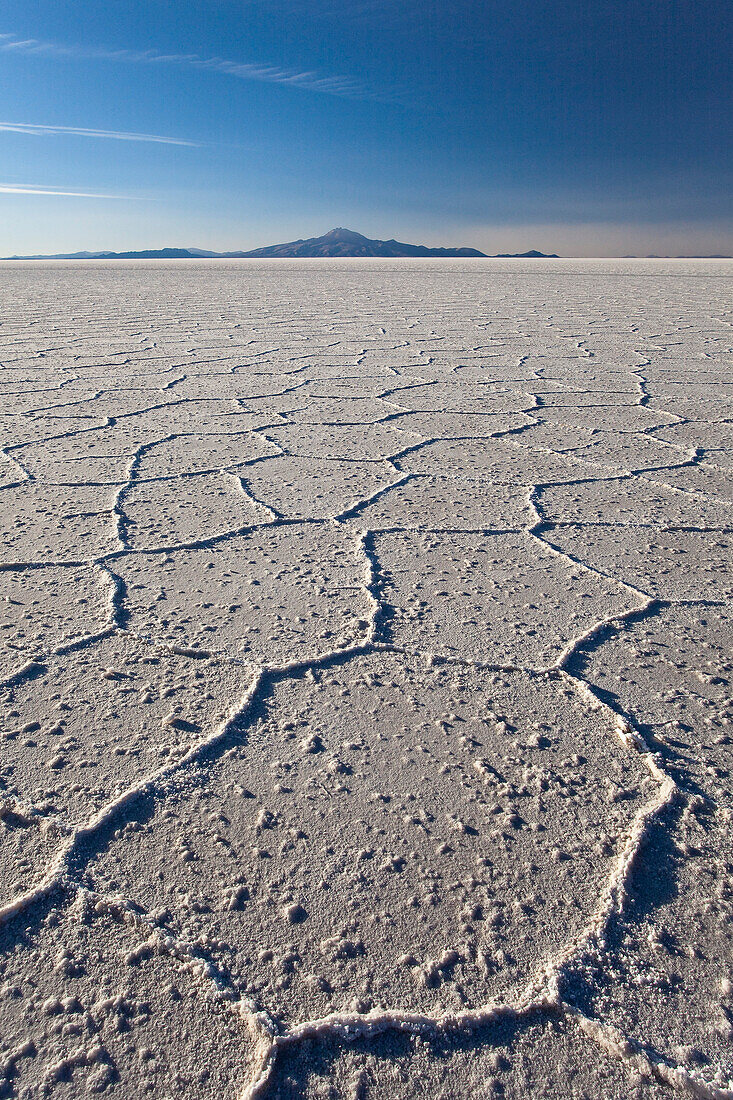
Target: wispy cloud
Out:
[19,189]
[79,131]
[309,80]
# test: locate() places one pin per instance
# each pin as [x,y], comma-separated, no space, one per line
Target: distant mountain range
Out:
[345,242]
[338,242]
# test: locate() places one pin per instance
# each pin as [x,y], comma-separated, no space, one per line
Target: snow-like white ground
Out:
[366,679]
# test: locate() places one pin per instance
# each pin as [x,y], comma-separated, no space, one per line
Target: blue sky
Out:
[587,128]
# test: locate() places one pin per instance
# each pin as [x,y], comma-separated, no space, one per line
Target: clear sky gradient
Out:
[585,128]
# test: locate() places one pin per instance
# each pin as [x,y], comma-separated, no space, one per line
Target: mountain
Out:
[338,242]
[344,242]
[146,254]
[533,254]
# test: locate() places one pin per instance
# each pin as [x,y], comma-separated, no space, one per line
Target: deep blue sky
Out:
[579,127]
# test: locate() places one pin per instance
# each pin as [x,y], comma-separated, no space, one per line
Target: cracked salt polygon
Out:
[426,883]
[678,565]
[462,397]
[495,459]
[628,418]
[63,400]
[447,502]
[625,451]
[84,726]
[16,429]
[357,384]
[591,398]
[327,410]
[274,594]
[672,671]
[712,441]
[86,455]
[451,425]
[503,599]
[41,522]
[629,500]
[167,514]
[325,488]
[693,407]
[491,366]
[716,485]
[226,417]
[345,441]
[115,401]
[713,389]
[193,452]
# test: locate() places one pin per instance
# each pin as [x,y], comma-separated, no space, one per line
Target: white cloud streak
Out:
[79,131]
[18,189]
[312,81]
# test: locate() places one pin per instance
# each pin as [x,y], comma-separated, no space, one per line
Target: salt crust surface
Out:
[366,673]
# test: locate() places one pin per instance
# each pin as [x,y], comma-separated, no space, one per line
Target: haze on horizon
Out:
[583,129]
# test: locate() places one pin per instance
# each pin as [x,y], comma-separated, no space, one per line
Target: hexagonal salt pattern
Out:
[365,680]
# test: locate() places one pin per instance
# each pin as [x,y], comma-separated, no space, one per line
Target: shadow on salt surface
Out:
[665,978]
[669,954]
[390,835]
[29,843]
[10,474]
[537,1056]
[89,1003]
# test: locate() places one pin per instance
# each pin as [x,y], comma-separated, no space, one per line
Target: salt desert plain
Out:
[366,679]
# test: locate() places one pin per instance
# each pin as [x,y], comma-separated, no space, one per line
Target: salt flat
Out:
[366,676]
